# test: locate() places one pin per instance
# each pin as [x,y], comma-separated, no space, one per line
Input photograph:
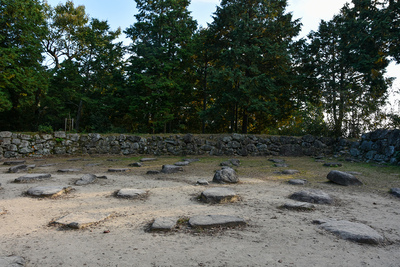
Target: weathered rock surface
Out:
[164,224]
[343,178]
[299,206]
[182,163]
[147,159]
[14,162]
[352,231]
[312,196]
[152,172]
[219,195]
[171,169]
[332,164]
[48,191]
[202,182]
[86,179]
[281,165]
[118,170]
[12,261]
[17,168]
[395,191]
[231,162]
[32,177]
[226,175]
[135,164]
[69,170]
[298,181]
[209,221]
[191,160]
[131,193]
[81,219]
[290,172]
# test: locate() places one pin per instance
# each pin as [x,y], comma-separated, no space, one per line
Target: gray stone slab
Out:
[395,191]
[299,206]
[312,196]
[281,165]
[182,163]
[32,177]
[118,170]
[298,181]
[14,162]
[219,195]
[277,160]
[131,193]
[202,182]
[191,160]
[86,179]
[164,224]
[290,172]
[69,170]
[209,221]
[48,191]
[48,165]
[152,172]
[12,261]
[171,169]
[343,178]
[80,220]
[17,168]
[352,231]
[147,159]
[135,164]
[332,164]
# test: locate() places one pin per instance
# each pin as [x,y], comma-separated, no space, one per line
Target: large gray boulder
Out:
[312,196]
[343,178]
[226,175]
[352,231]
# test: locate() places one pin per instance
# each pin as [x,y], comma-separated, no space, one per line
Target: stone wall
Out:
[382,145]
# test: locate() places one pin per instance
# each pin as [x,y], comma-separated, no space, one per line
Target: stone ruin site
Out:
[203,211]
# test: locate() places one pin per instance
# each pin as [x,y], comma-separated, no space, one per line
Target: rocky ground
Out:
[91,225]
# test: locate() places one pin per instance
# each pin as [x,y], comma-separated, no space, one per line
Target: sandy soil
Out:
[273,236]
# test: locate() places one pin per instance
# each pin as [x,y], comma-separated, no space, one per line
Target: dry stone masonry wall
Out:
[381,145]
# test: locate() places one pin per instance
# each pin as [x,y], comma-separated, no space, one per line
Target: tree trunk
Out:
[245,121]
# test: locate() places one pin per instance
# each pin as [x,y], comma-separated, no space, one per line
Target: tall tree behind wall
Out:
[160,64]
[22,77]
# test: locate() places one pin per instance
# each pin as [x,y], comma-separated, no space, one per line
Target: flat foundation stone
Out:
[182,163]
[171,169]
[14,162]
[312,196]
[135,164]
[209,221]
[147,159]
[299,206]
[12,261]
[164,224]
[86,179]
[298,181]
[69,170]
[289,172]
[152,172]
[119,170]
[80,220]
[130,193]
[219,195]
[352,231]
[17,168]
[48,191]
[32,177]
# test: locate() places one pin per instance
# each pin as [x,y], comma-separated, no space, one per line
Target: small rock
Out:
[356,232]
[81,219]
[277,160]
[219,195]
[312,196]
[32,177]
[118,170]
[343,178]
[14,162]
[130,193]
[147,159]
[48,191]
[69,170]
[48,165]
[152,172]
[281,165]
[289,172]
[202,182]
[171,169]
[209,221]
[135,164]
[332,164]
[226,175]
[298,181]
[12,261]
[395,191]
[86,179]
[164,224]
[300,206]
[191,160]
[182,163]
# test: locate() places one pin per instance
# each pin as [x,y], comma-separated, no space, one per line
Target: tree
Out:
[160,64]
[22,77]
[251,80]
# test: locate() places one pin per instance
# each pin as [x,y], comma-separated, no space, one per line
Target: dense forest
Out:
[245,72]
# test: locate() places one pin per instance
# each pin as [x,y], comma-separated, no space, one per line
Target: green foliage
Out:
[45,129]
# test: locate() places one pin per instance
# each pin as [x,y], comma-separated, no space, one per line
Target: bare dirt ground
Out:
[272,237]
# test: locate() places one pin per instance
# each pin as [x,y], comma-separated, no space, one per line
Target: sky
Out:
[120,13]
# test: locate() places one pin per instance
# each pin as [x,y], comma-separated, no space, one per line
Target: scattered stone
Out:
[135,164]
[48,165]
[102,177]
[312,196]
[182,163]
[332,164]
[281,165]
[32,177]
[147,159]
[17,168]
[171,169]
[14,162]
[152,172]
[191,160]
[226,175]
[202,182]
[69,170]
[356,232]
[277,160]
[300,206]
[298,181]
[130,193]
[80,220]
[12,261]
[219,195]
[86,179]
[209,221]
[395,191]
[290,172]
[48,191]
[343,178]
[164,224]
[118,170]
